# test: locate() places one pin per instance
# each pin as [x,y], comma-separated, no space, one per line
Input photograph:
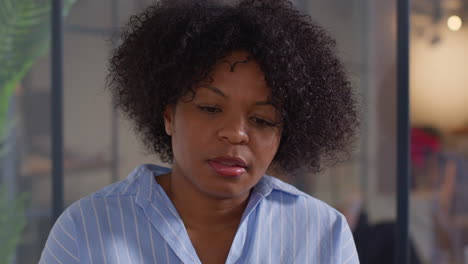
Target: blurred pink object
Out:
[422,143]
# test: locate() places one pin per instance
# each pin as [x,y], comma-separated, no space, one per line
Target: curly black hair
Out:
[174,44]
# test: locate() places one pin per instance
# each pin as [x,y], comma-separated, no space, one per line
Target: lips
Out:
[228,166]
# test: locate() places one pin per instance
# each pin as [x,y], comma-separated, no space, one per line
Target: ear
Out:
[168,115]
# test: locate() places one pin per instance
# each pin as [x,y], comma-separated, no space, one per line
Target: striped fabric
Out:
[133,221]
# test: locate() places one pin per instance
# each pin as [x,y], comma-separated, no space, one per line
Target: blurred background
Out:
[100,148]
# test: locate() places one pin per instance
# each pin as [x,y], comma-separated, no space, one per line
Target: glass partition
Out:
[439,119]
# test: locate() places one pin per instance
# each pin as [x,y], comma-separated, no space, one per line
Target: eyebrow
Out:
[215,90]
[220,93]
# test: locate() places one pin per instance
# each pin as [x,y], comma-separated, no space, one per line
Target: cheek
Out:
[266,146]
[189,134]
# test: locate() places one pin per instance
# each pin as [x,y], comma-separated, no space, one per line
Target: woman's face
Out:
[225,138]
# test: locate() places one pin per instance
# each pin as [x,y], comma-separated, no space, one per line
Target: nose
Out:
[234,131]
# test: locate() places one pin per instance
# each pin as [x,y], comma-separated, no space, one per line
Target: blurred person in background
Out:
[438,198]
[375,242]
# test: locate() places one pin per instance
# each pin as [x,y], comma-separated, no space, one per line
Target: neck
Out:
[201,211]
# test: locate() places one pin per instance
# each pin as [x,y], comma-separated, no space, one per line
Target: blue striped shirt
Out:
[133,221]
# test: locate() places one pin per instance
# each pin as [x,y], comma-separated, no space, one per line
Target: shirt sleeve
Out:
[348,248]
[62,243]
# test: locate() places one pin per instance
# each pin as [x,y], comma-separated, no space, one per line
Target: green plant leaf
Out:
[24,37]
[12,223]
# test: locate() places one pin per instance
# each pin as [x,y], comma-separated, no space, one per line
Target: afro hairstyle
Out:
[173,44]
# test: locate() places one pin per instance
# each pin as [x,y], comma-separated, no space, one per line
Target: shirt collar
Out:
[147,183]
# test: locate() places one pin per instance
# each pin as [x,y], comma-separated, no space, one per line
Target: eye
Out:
[262,122]
[209,109]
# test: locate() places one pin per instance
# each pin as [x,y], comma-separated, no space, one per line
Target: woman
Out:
[224,93]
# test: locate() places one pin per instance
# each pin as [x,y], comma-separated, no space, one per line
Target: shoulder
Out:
[117,197]
[100,200]
[324,228]
[92,218]
[136,185]
[308,205]
[78,233]
[63,241]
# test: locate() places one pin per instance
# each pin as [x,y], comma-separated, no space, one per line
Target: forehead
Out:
[238,60]
[239,72]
